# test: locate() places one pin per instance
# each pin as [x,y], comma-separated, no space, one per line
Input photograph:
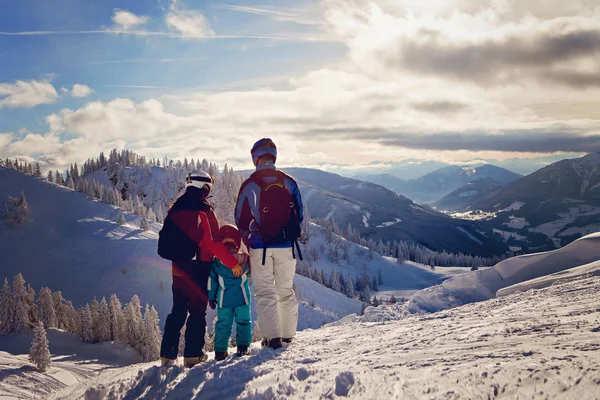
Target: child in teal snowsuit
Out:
[231,297]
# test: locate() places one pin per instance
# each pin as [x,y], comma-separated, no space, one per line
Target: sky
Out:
[331,81]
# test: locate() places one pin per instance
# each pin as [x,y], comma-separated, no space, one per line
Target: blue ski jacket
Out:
[247,214]
[227,290]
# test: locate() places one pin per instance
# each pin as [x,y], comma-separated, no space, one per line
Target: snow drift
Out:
[483,284]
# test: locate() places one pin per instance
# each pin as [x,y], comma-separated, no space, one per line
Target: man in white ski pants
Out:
[272,266]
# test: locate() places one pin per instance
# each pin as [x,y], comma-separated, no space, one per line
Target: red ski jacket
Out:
[201,227]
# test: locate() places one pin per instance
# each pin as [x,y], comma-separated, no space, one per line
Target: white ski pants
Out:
[276,303]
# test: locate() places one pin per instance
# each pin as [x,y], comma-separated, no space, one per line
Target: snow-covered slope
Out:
[483,284]
[73,361]
[408,275]
[72,244]
[558,204]
[539,344]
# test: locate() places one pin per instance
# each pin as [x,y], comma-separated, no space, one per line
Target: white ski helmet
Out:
[199,179]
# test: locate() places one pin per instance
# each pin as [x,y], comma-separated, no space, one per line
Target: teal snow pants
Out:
[226,316]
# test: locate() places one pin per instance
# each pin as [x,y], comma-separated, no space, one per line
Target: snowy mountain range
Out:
[441,182]
[547,209]
[380,214]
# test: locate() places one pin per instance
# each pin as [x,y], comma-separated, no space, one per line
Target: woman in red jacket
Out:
[196,218]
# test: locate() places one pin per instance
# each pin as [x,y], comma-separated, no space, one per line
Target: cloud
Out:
[427,80]
[277,15]
[126,20]
[5,139]
[188,23]
[27,94]
[81,90]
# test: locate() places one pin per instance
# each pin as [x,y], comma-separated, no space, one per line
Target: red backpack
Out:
[278,220]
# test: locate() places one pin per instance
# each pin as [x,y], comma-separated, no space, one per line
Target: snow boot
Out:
[189,362]
[220,355]
[242,351]
[272,343]
[166,362]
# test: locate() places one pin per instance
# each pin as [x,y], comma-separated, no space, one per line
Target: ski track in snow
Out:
[539,344]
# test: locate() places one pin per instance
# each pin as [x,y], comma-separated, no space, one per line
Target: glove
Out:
[212,304]
[237,270]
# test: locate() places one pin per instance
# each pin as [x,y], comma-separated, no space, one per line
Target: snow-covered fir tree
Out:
[121,218]
[31,306]
[39,353]
[134,325]
[69,183]
[117,319]
[7,309]
[150,344]
[21,321]
[95,315]
[46,308]
[349,288]
[104,331]
[61,318]
[87,326]
[144,224]
[73,323]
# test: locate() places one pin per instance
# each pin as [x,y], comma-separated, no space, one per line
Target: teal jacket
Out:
[227,290]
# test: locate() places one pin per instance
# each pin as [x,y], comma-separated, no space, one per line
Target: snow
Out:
[516,223]
[73,361]
[463,230]
[331,212]
[389,223]
[483,284]
[468,193]
[80,250]
[365,221]
[584,271]
[506,235]
[477,215]
[516,206]
[538,344]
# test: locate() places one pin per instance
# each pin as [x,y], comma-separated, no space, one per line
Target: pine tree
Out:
[57,302]
[39,353]
[70,184]
[393,299]
[96,322]
[133,327]
[73,323]
[37,171]
[349,287]
[374,286]
[104,331]
[150,349]
[7,310]
[335,282]
[117,319]
[144,224]
[50,176]
[32,307]
[59,178]
[20,302]
[121,218]
[87,326]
